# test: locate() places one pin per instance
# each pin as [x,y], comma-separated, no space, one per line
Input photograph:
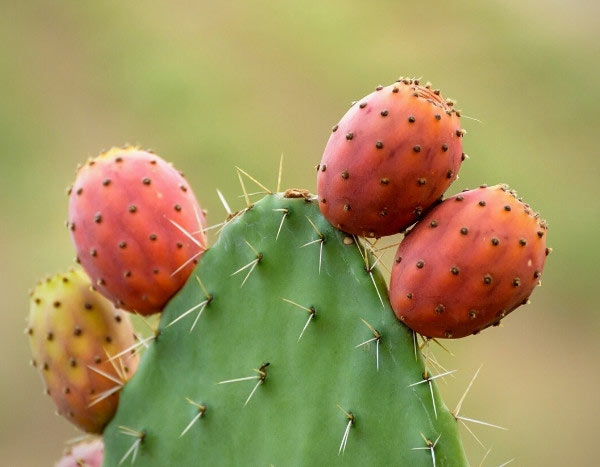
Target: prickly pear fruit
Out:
[472,260]
[71,331]
[389,159]
[84,454]
[137,228]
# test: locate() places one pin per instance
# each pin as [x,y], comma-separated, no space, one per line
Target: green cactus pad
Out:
[298,412]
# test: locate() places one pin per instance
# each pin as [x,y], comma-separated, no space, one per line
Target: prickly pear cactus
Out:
[282,349]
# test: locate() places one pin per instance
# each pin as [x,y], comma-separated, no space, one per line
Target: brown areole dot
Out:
[433,224]
[420,264]
[464,231]
[379,88]
[132,208]
[487,279]
[77,331]
[448,334]
[421,181]
[395,89]
[548,251]
[177,207]
[522,242]
[472,314]
[323,167]
[495,241]
[179,245]
[88,306]
[379,145]
[411,119]
[49,336]
[97,218]
[153,237]
[384,181]
[362,105]
[516,282]
[481,203]
[79,191]
[346,207]
[334,128]
[540,234]
[146,181]
[345,175]
[417,148]
[409,296]
[459,198]
[349,136]
[449,174]
[438,117]
[384,113]
[455,270]
[507,207]
[56,304]
[106,181]
[127,274]
[440,309]
[183,188]
[93,252]
[122,245]
[444,147]
[399,259]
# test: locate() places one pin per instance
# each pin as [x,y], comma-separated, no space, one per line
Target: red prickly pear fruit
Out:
[472,260]
[137,228]
[390,158]
[72,329]
[84,454]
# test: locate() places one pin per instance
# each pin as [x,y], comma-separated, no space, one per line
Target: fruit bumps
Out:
[389,159]
[71,331]
[137,228]
[471,261]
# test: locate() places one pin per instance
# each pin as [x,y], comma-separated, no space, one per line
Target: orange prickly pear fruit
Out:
[471,261]
[390,158]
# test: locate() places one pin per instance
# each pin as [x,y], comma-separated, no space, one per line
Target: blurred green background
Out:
[210,85]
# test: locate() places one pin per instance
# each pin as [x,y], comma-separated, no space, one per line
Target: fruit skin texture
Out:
[293,418]
[389,159]
[84,454]
[120,212]
[70,326]
[472,260]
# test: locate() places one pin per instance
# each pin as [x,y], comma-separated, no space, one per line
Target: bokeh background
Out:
[210,85]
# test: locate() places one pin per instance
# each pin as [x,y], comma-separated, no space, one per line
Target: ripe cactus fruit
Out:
[260,362]
[389,159]
[471,261]
[137,228]
[84,454]
[71,330]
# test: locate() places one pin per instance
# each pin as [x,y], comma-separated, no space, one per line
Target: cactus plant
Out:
[281,347]
[261,359]
[392,155]
[128,210]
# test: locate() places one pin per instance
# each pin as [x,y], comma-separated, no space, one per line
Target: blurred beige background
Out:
[210,85]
